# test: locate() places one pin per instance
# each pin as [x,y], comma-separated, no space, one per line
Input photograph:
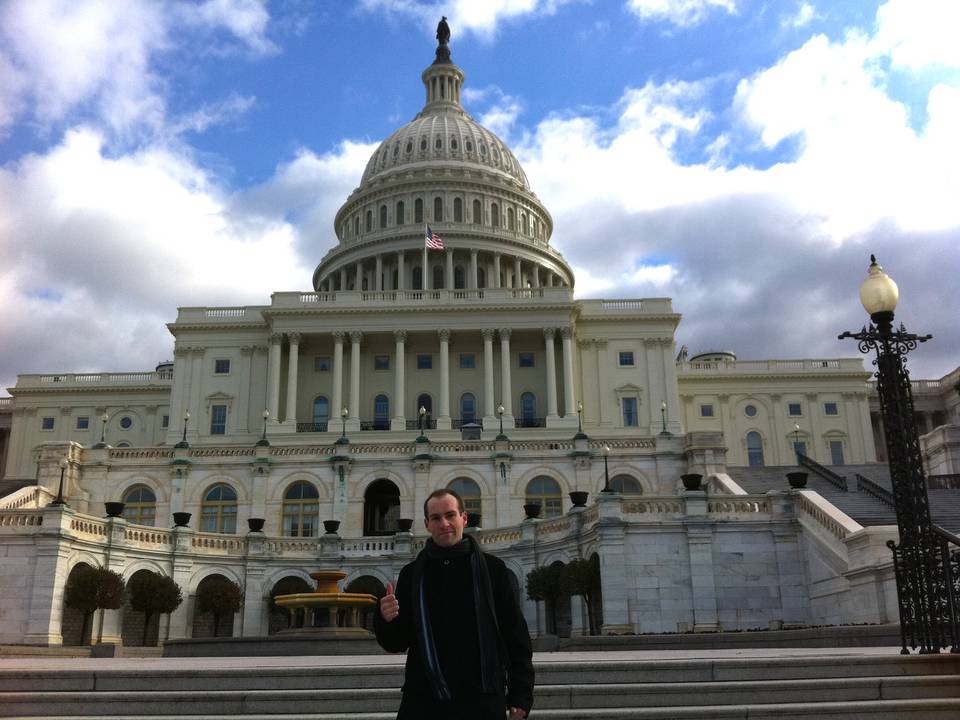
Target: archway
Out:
[559,615]
[203,622]
[371,586]
[279,618]
[381,508]
[596,615]
[71,622]
[131,629]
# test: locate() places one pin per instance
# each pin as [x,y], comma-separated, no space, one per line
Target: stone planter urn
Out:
[579,498]
[532,510]
[404,524]
[114,509]
[181,519]
[797,480]
[473,520]
[692,481]
[331,526]
[255,524]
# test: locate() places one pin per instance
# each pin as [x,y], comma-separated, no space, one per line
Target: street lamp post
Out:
[606,471]
[103,431]
[63,468]
[186,419]
[343,420]
[796,440]
[928,612]
[263,439]
[500,415]
[663,417]
[579,416]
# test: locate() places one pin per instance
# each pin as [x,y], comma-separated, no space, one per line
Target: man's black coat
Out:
[449,595]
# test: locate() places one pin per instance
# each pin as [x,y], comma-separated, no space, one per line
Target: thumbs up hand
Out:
[389,607]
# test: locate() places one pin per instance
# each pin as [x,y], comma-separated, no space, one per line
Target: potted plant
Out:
[692,481]
[255,524]
[473,520]
[404,524]
[797,479]
[331,526]
[181,519]
[114,509]
[579,498]
[532,510]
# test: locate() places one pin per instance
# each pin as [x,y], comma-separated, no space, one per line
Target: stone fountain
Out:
[326,612]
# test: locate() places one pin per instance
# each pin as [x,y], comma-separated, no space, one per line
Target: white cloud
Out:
[683,13]
[804,15]
[501,112]
[918,33]
[96,57]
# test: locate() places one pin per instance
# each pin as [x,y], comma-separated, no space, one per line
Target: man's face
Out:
[444,521]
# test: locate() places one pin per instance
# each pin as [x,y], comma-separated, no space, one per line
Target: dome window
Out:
[438,209]
[423,143]
[396,149]
[483,149]
[496,154]
[418,210]
[369,222]
[454,144]
[399,214]
[469,146]
[457,210]
[477,213]
[438,144]
[409,148]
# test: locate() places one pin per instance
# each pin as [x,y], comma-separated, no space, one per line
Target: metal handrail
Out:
[947,481]
[872,489]
[838,481]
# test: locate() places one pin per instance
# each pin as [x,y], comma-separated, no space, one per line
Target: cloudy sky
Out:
[743,157]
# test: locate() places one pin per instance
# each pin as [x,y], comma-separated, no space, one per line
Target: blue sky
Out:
[743,157]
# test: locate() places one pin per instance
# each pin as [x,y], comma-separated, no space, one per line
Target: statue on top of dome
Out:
[443,31]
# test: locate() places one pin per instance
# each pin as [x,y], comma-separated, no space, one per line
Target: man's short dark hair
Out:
[440,493]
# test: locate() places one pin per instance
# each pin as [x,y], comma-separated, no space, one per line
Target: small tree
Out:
[582,577]
[543,585]
[90,589]
[153,594]
[219,596]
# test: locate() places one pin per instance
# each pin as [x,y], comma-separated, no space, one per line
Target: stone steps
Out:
[587,686]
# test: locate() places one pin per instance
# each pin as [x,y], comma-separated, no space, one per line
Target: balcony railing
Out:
[738,367]
[312,427]
[163,379]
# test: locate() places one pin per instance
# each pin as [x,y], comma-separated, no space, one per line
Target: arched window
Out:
[396,277]
[369,223]
[438,277]
[399,214]
[301,509]
[523,223]
[509,218]
[426,402]
[140,505]
[545,491]
[383,216]
[381,508]
[495,215]
[356,226]
[417,278]
[477,213]
[321,414]
[459,278]
[218,513]
[381,413]
[437,209]
[528,410]
[625,485]
[481,278]
[468,408]
[754,449]
[469,491]
[457,210]
[418,210]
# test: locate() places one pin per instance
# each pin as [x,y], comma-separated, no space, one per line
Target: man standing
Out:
[454,611]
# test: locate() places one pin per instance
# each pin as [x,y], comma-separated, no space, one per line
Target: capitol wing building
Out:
[441,346]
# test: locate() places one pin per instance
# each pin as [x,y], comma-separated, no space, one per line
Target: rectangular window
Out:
[468,361]
[625,358]
[221,367]
[424,362]
[83,422]
[46,423]
[831,408]
[525,359]
[165,421]
[794,409]
[630,412]
[381,362]
[706,411]
[218,420]
[836,452]
[321,364]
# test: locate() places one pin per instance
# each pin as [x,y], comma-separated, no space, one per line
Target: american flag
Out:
[434,241]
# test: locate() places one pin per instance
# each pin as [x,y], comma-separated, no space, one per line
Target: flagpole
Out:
[425,283]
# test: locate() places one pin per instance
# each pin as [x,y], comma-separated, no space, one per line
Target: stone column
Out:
[535,275]
[401,280]
[489,404]
[196,387]
[814,450]
[254,596]
[569,399]
[273,389]
[517,274]
[443,419]
[449,281]
[338,338]
[506,387]
[378,280]
[290,411]
[356,338]
[779,433]
[358,283]
[496,270]
[654,388]
[399,420]
[472,282]
[551,364]
[343,278]
[242,417]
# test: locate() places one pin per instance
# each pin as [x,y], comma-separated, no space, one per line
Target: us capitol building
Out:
[407,368]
